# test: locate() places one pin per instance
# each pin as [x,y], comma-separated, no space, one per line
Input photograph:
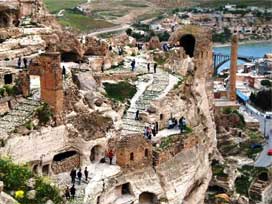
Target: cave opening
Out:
[126,189]
[97,154]
[216,189]
[64,155]
[188,44]
[45,170]
[8,78]
[69,57]
[148,198]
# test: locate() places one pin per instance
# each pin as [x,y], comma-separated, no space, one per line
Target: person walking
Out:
[79,176]
[67,193]
[153,129]
[25,62]
[149,132]
[19,62]
[155,67]
[73,191]
[157,127]
[137,115]
[102,66]
[63,72]
[145,132]
[110,155]
[86,173]
[73,176]
[133,63]
[148,67]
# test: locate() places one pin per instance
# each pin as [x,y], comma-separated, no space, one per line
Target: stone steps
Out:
[19,115]
[154,90]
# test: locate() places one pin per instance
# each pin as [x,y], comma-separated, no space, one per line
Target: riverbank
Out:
[242,43]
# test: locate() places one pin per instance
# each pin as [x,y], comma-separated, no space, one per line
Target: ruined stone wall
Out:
[133,152]
[66,164]
[179,144]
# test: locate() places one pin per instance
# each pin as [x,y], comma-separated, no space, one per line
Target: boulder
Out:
[49,202]
[85,81]
[31,194]
[31,183]
[98,102]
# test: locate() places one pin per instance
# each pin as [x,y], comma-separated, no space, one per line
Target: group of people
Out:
[173,123]
[151,130]
[78,174]
[154,67]
[19,62]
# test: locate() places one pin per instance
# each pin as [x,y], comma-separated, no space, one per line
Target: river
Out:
[251,49]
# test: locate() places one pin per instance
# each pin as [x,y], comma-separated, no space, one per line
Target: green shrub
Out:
[44,114]
[45,191]
[13,176]
[29,125]
[266,83]
[227,110]
[11,90]
[15,179]
[2,91]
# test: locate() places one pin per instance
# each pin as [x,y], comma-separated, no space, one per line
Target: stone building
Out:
[134,152]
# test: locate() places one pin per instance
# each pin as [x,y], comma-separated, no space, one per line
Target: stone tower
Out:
[51,81]
[233,68]
[47,66]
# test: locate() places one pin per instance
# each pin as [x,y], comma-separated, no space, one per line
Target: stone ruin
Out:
[85,133]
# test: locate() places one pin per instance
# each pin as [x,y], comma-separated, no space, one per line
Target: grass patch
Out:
[56,5]
[82,23]
[120,91]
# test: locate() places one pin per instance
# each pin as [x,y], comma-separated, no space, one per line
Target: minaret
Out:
[233,68]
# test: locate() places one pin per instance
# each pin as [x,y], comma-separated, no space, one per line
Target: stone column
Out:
[233,68]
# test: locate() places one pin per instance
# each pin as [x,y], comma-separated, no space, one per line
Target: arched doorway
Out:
[65,161]
[148,198]
[188,44]
[97,153]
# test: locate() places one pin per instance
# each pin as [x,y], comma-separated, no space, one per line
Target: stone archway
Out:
[188,43]
[148,198]
[97,153]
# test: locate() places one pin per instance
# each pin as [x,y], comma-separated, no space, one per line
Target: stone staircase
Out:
[80,193]
[159,82]
[19,115]
[256,189]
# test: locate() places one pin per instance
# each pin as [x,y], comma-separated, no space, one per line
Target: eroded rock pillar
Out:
[233,68]
[51,81]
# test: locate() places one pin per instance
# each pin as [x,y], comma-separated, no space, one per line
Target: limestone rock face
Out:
[85,81]
[69,45]
[95,46]
[91,126]
[154,43]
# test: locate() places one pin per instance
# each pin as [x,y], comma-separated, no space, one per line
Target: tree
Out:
[266,83]
[262,99]
[129,31]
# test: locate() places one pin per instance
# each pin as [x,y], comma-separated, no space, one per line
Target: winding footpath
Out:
[150,86]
